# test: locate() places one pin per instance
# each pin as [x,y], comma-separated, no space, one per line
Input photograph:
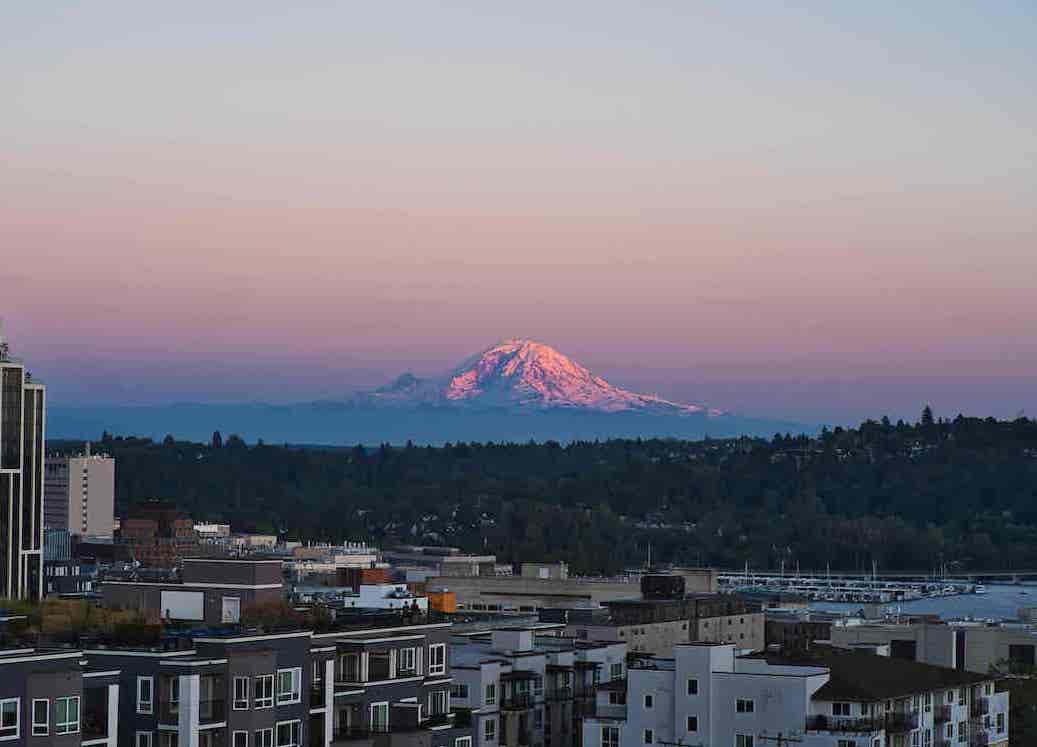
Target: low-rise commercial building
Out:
[208,590]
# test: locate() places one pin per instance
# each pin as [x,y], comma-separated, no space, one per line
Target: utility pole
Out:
[780,740]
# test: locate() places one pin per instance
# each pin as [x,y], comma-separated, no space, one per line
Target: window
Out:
[459,690]
[743,740]
[66,716]
[318,675]
[693,723]
[744,706]
[616,698]
[437,703]
[463,742]
[915,741]
[289,733]
[239,739]
[538,685]
[1000,723]
[914,703]
[927,737]
[264,738]
[961,731]
[289,685]
[693,686]
[948,731]
[491,694]
[490,730]
[145,695]
[379,717]
[847,743]
[168,739]
[950,696]
[876,742]
[145,739]
[840,709]
[408,661]
[649,702]
[928,702]
[437,658]
[610,736]
[241,693]
[538,719]
[616,670]
[263,691]
[988,689]
[648,737]
[40,717]
[174,693]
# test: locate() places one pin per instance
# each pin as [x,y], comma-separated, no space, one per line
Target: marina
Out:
[853,589]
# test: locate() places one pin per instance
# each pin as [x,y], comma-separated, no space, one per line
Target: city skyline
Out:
[818,214]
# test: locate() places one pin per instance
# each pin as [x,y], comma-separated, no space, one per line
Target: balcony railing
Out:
[437,719]
[845,724]
[943,714]
[517,701]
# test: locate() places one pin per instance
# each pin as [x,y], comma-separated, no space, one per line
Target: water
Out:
[1001,602]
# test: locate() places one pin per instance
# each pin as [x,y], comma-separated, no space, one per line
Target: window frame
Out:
[648,701]
[490,730]
[294,733]
[839,706]
[745,705]
[236,703]
[606,733]
[433,667]
[17,727]
[693,686]
[294,693]
[67,727]
[263,737]
[462,742]
[144,739]
[146,707]
[490,693]
[370,715]
[648,736]
[266,701]
[744,740]
[409,652]
[234,738]
[689,725]
[45,724]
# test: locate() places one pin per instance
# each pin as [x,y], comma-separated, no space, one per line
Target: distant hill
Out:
[516,390]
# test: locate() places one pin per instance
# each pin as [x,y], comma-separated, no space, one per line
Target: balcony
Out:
[561,693]
[943,714]
[517,702]
[95,713]
[317,696]
[900,723]
[980,707]
[212,711]
[169,712]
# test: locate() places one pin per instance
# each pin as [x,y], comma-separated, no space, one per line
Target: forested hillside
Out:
[960,493]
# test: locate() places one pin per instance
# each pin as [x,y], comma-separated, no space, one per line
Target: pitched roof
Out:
[864,677]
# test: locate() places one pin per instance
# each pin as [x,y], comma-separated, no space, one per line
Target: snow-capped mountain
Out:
[528,375]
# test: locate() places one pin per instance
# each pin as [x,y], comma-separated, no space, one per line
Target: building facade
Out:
[706,695]
[79,494]
[157,535]
[22,434]
[524,689]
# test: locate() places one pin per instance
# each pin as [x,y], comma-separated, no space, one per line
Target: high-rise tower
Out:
[22,415]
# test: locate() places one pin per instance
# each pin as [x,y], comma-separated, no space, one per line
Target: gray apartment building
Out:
[525,689]
[79,494]
[22,419]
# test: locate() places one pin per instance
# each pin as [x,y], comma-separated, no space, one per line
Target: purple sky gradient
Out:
[815,214]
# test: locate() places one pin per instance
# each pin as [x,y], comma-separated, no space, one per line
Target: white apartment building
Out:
[525,689]
[705,696]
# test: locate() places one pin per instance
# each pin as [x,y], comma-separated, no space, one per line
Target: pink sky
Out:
[797,215]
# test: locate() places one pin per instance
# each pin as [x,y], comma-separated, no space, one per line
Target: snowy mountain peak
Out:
[526,374]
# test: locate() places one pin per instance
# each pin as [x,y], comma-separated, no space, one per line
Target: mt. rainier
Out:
[527,375]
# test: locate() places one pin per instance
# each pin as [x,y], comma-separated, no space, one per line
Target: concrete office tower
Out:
[22,415]
[79,494]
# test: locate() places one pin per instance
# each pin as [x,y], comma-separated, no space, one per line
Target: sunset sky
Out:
[818,212]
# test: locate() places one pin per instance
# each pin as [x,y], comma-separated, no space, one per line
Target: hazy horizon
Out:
[818,213]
